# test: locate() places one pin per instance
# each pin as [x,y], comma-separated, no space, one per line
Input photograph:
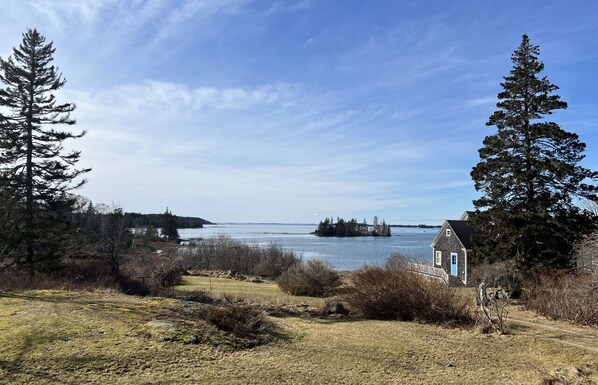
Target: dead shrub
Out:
[76,274]
[501,275]
[394,293]
[240,320]
[139,275]
[21,280]
[564,296]
[313,278]
[585,255]
[157,273]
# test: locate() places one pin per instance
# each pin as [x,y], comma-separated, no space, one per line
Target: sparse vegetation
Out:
[313,278]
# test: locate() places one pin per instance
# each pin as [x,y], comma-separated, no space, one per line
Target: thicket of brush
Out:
[394,292]
[240,320]
[224,253]
[143,271]
[313,278]
[564,296]
[140,275]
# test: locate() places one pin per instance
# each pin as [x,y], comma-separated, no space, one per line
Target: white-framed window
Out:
[439,257]
[448,232]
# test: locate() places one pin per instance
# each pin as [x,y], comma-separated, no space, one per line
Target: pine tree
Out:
[37,172]
[169,226]
[529,174]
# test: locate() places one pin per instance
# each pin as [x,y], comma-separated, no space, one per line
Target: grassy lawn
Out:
[56,337]
[266,293]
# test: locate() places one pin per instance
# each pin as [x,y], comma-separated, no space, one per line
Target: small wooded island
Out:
[351,228]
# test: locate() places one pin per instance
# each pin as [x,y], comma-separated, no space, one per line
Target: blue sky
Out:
[289,111]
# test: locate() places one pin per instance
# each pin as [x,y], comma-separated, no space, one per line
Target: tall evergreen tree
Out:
[529,174]
[169,226]
[37,172]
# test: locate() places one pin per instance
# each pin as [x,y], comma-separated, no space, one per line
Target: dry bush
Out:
[240,320]
[585,254]
[393,292]
[564,296]
[224,253]
[502,275]
[21,280]
[140,275]
[155,273]
[274,260]
[313,278]
[75,274]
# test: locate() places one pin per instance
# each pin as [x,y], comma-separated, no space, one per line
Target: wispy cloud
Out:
[482,101]
[279,6]
[274,110]
[279,140]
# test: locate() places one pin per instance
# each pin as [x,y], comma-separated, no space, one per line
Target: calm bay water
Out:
[342,253]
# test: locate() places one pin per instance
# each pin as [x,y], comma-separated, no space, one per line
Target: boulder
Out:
[335,308]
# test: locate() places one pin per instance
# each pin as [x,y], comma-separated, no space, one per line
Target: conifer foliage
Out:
[37,174]
[529,174]
[169,226]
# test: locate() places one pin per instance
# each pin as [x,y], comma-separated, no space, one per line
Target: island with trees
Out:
[351,228]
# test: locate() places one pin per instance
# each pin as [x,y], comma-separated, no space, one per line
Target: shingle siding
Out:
[450,244]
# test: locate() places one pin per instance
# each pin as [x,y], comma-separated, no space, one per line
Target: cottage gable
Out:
[451,248]
[463,231]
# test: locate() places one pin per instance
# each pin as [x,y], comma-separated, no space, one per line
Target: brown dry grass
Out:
[60,337]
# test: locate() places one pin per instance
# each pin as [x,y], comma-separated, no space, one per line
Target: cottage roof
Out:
[463,230]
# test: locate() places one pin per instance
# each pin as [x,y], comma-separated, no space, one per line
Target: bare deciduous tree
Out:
[586,254]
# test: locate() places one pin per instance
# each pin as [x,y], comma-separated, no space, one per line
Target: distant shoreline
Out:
[315,224]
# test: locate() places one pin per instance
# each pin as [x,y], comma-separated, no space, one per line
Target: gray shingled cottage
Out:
[451,249]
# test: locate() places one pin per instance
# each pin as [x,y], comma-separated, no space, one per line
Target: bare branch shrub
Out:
[240,320]
[313,278]
[224,253]
[494,307]
[503,276]
[393,292]
[586,254]
[564,296]
[154,272]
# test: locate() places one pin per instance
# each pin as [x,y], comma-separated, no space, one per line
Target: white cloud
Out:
[482,101]
[231,153]
[279,6]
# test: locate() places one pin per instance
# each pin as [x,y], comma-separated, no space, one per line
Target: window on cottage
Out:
[448,232]
[439,257]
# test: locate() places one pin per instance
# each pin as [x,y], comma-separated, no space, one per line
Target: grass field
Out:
[57,337]
[266,293]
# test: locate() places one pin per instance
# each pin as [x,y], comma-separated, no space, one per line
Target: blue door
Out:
[454,264]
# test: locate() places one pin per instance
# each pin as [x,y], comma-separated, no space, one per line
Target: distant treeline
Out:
[143,220]
[352,228]
[419,226]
